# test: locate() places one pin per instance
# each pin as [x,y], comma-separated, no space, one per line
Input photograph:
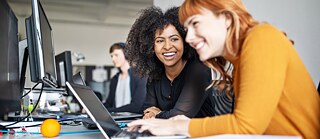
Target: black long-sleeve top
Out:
[138,94]
[186,95]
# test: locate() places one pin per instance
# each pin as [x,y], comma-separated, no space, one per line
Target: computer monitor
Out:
[64,69]
[9,59]
[40,46]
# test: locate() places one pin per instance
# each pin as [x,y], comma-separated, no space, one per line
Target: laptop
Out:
[100,115]
[78,79]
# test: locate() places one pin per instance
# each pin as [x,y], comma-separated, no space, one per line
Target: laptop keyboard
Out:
[116,114]
[124,133]
[132,134]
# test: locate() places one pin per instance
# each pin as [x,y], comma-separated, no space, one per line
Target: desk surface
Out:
[80,132]
[227,136]
[67,132]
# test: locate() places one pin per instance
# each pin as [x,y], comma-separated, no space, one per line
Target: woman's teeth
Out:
[200,45]
[169,54]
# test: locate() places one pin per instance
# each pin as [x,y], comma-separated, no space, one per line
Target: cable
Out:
[61,133]
[29,91]
[28,113]
[14,127]
[60,121]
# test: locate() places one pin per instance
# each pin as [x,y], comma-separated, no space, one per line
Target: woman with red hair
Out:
[274,93]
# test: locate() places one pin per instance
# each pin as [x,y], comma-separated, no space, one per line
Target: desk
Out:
[65,129]
[89,134]
[249,137]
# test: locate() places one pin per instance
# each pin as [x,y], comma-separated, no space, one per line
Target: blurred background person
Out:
[127,91]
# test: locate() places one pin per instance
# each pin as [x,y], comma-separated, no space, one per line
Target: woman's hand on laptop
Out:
[150,112]
[162,126]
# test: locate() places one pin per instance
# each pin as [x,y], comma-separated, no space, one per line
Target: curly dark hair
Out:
[140,41]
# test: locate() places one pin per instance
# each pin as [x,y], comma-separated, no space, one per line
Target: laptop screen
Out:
[99,113]
[94,108]
[78,79]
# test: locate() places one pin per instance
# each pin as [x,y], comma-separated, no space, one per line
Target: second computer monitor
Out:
[64,68]
[40,45]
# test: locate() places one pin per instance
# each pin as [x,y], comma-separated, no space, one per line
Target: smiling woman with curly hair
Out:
[177,80]
[142,36]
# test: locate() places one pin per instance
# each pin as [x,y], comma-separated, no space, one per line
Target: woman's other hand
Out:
[151,112]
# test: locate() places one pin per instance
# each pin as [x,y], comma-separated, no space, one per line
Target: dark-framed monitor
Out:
[40,46]
[64,69]
[9,59]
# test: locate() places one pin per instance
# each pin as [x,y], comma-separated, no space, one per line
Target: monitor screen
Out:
[64,69]
[9,58]
[40,46]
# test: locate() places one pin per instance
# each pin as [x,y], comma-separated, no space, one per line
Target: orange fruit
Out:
[50,128]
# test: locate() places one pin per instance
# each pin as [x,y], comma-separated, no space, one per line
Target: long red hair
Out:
[242,22]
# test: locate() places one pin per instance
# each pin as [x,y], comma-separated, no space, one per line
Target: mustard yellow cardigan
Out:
[274,93]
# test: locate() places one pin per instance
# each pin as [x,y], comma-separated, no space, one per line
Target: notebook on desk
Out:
[100,115]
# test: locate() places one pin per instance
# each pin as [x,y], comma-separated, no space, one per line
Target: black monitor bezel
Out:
[38,71]
[65,59]
[9,73]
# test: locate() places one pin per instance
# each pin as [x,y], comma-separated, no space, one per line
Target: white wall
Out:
[91,40]
[300,20]
[165,4]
